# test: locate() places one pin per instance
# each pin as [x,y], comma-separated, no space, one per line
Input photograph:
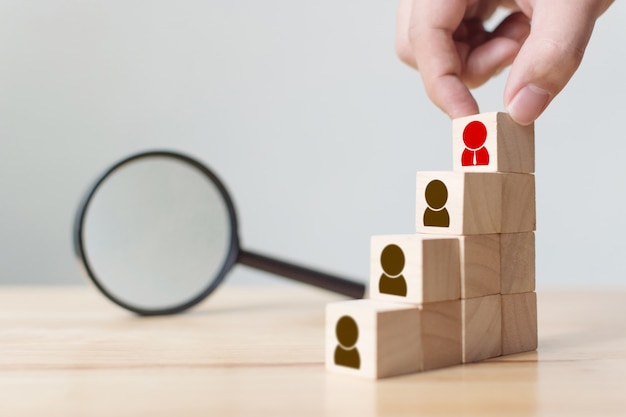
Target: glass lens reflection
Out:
[156,233]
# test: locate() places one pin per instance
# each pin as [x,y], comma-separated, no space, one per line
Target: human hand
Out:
[544,40]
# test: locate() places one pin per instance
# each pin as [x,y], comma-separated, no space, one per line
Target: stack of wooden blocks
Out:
[462,289]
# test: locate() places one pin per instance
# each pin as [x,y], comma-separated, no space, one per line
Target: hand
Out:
[544,40]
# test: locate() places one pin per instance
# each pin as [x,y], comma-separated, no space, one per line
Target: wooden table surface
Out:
[254,351]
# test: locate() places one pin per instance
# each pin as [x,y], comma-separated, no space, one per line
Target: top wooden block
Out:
[492,142]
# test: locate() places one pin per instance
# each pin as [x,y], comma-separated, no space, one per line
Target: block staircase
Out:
[461,289]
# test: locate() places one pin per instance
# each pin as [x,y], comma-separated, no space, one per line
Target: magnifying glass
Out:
[157,233]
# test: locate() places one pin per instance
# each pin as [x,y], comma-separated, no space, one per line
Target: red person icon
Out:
[474,137]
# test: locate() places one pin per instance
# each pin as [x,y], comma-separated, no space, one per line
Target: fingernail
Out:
[528,104]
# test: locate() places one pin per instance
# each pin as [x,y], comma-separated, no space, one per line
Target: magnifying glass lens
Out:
[156,236]
[157,233]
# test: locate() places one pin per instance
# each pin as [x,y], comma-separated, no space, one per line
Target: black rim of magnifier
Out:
[235,253]
[233,250]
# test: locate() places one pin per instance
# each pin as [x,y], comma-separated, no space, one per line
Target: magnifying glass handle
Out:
[308,276]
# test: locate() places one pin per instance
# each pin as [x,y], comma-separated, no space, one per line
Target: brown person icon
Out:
[391,281]
[346,353]
[436,197]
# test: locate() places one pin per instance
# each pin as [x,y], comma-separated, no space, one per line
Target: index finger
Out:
[431,31]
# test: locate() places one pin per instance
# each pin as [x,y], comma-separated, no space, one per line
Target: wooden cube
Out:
[518,203]
[441,334]
[458,203]
[482,328]
[519,322]
[415,268]
[517,262]
[480,265]
[492,142]
[373,339]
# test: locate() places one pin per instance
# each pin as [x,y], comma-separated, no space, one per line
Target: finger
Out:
[432,26]
[404,50]
[553,51]
[491,57]
[516,26]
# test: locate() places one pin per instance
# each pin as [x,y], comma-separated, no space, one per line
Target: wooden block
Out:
[480,265]
[441,334]
[492,142]
[373,339]
[519,322]
[415,268]
[458,203]
[517,262]
[518,203]
[482,328]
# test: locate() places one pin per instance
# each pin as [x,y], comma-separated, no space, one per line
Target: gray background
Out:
[305,112]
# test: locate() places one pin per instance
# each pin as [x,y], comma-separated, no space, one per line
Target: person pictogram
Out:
[392,281]
[436,197]
[346,353]
[474,137]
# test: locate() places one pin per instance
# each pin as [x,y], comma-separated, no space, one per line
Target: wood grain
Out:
[259,351]
[441,334]
[519,322]
[482,328]
[517,256]
[480,265]
[518,203]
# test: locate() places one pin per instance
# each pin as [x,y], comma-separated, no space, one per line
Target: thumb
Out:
[560,31]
